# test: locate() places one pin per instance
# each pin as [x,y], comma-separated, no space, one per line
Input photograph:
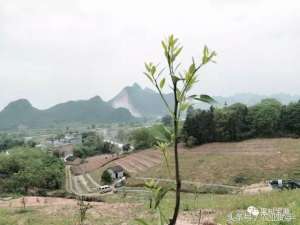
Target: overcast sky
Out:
[52,51]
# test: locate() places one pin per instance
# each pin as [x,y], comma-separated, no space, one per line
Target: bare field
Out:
[93,163]
[238,163]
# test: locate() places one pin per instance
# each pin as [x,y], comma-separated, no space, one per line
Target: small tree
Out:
[181,83]
[83,208]
[23,201]
[106,177]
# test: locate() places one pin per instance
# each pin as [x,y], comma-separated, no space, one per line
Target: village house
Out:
[64,151]
[116,172]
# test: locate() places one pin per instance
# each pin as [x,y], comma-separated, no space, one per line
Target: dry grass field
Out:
[237,163]
[123,210]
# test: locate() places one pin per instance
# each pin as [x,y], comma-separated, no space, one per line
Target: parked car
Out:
[104,189]
[285,184]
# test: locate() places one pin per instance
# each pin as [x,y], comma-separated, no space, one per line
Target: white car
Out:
[104,189]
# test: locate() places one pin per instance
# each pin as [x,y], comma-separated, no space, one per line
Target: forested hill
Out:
[94,110]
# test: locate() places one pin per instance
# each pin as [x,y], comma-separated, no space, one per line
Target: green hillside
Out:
[94,110]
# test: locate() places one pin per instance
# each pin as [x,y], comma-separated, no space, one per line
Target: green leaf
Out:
[149,77]
[205,98]
[164,46]
[147,67]
[177,52]
[141,222]
[163,147]
[192,68]
[178,94]
[162,83]
[160,195]
[184,106]
[153,70]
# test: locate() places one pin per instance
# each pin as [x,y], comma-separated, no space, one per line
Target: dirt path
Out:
[257,188]
[84,183]
[88,176]
[188,182]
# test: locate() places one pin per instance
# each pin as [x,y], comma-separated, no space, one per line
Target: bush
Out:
[240,179]
[106,178]
[142,138]
[191,141]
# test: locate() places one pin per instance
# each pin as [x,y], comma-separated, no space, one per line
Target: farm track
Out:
[80,185]
[187,182]
[84,183]
[140,161]
[92,181]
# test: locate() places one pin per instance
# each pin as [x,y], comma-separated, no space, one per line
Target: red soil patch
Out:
[93,163]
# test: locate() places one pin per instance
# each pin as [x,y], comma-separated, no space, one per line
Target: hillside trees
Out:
[92,144]
[201,126]
[9,141]
[30,169]
[238,122]
[290,118]
[265,117]
[142,138]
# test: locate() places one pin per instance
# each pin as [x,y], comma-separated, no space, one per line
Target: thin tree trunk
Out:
[177,172]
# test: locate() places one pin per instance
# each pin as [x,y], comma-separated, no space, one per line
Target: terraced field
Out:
[235,164]
[135,163]
[81,184]
[139,162]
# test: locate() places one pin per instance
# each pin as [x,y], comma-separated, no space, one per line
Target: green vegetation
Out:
[93,144]
[239,122]
[106,177]
[143,138]
[9,141]
[91,111]
[26,169]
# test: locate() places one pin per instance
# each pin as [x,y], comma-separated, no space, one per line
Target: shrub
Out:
[106,178]
[191,141]
[240,179]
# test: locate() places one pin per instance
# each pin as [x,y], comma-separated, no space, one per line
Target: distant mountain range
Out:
[94,110]
[141,102]
[130,104]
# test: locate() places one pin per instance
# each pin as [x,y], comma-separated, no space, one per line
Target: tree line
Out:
[237,122]
[8,141]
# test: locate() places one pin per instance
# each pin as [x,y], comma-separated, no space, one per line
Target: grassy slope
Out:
[255,160]
[222,204]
